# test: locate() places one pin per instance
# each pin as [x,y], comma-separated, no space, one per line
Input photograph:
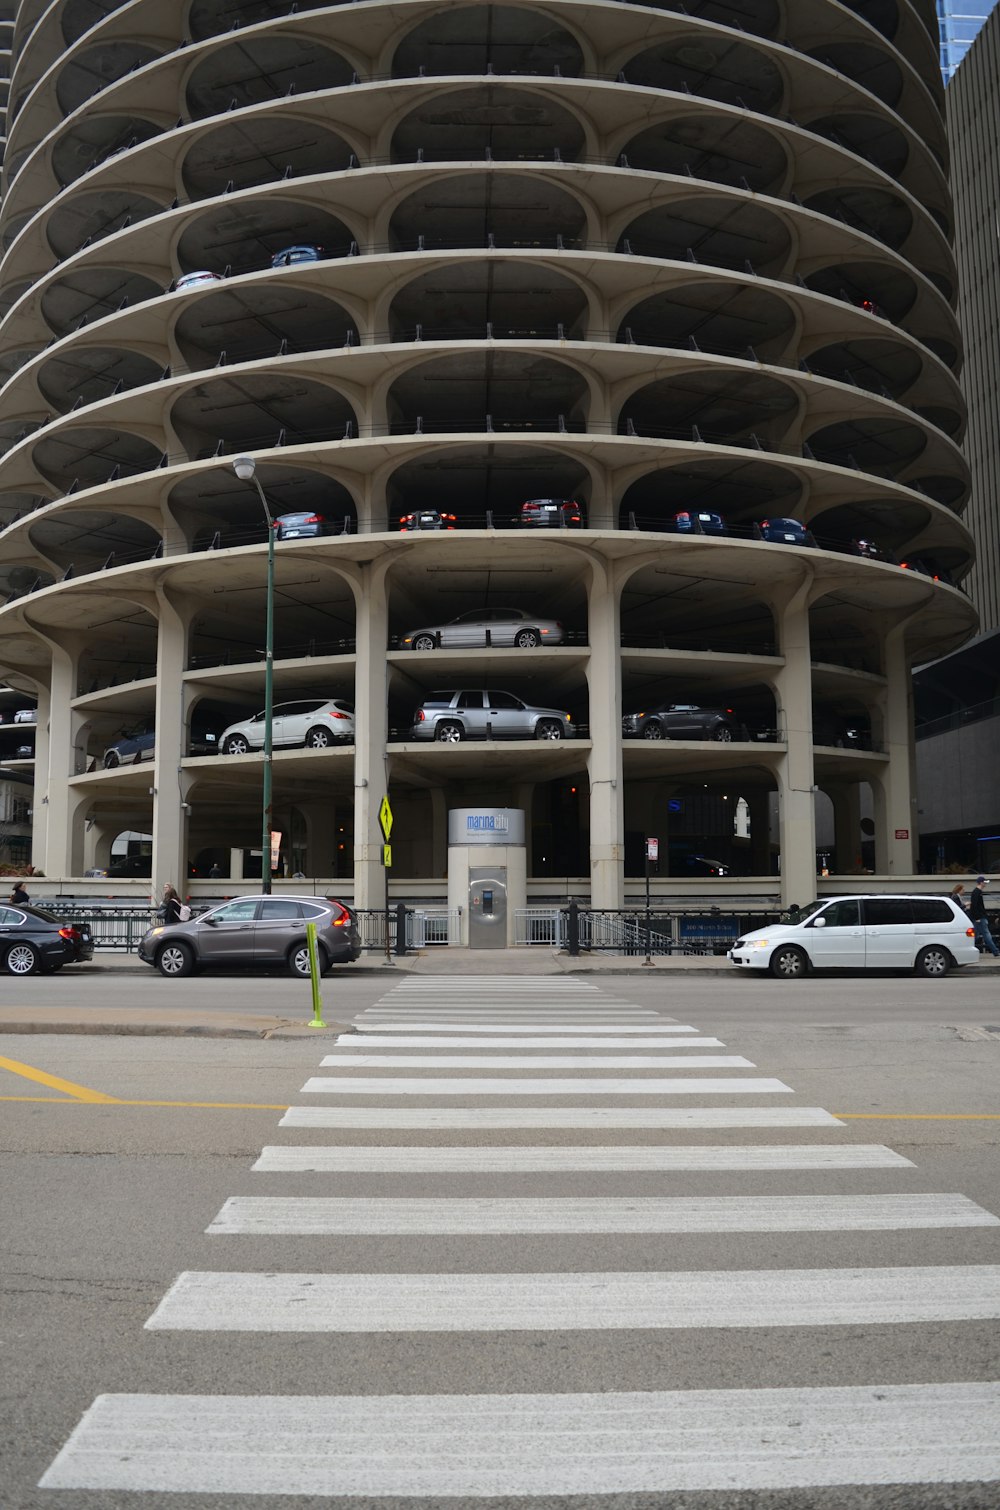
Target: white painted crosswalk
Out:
[280,1215]
[554,1159]
[574,1302]
[690,1196]
[535,1444]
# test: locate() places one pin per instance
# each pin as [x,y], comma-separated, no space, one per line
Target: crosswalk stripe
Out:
[377,1216]
[455,1085]
[372,1159]
[597,1061]
[429,1041]
[239,1302]
[596,1118]
[371,1446]
[595,1028]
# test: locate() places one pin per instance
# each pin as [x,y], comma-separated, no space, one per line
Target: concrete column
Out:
[439,832]
[40,811]
[846,799]
[607,832]
[371,764]
[97,841]
[236,865]
[321,836]
[170,784]
[892,786]
[62,826]
[759,803]
[796,804]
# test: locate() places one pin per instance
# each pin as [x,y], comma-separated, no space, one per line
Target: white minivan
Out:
[925,934]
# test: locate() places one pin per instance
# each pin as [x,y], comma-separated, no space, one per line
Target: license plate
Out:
[291,534]
[792,538]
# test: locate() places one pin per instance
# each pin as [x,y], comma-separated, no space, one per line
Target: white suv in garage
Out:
[921,933]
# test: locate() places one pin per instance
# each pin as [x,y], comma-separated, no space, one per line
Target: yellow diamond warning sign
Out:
[385,819]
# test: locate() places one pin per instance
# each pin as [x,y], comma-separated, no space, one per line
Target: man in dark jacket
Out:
[980,922]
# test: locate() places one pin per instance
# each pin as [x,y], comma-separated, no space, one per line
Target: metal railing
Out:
[633,931]
[112,928]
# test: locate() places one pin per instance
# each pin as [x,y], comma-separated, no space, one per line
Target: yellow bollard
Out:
[317,1019]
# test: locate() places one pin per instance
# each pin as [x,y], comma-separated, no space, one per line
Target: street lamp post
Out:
[245,468]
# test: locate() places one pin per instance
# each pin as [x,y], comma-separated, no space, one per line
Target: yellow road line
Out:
[919,1116]
[68,1088]
[282,1106]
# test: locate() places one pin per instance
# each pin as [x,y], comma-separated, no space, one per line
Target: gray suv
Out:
[264,931]
[474,714]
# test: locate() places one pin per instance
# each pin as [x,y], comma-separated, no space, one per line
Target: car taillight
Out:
[69,933]
[970,933]
[338,715]
[340,917]
[313,519]
[765,523]
[419,716]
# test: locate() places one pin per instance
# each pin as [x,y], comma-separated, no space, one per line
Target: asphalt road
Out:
[106,1202]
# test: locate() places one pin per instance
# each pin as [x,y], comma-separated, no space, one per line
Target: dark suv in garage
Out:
[683,721]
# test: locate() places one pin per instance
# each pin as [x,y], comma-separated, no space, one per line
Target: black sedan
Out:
[683,721]
[32,941]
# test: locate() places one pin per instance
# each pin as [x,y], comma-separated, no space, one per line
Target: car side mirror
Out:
[820,923]
[212,922]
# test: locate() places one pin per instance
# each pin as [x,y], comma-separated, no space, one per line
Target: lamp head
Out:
[244,467]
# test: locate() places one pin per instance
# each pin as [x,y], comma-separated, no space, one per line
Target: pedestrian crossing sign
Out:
[385,819]
[387,856]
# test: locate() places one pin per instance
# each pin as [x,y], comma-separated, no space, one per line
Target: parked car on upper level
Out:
[33,941]
[785,532]
[450,717]
[551,513]
[26,716]
[304,526]
[133,745]
[487,626]
[699,522]
[867,548]
[426,519]
[925,934]
[842,733]
[314,722]
[139,743]
[684,721]
[194,280]
[302,252]
[261,931]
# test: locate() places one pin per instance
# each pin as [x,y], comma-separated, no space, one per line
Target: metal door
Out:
[488,908]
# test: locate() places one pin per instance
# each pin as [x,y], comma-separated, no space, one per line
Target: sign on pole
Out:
[652,849]
[385,819]
[387,856]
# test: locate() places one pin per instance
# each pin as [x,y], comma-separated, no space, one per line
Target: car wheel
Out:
[111,759]
[425,642]
[298,960]
[789,962]
[653,730]
[236,744]
[175,960]
[449,734]
[22,959]
[527,639]
[319,739]
[723,735]
[548,729]
[932,962]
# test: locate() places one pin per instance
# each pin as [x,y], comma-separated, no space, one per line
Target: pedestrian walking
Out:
[18,894]
[980,921]
[170,907]
[958,896]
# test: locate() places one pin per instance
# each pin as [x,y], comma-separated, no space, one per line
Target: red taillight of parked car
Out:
[338,715]
[970,933]
[72,934]
[341,917]
[419,716]
[314,519]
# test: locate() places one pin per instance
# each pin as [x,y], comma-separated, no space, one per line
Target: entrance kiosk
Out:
[487,873]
